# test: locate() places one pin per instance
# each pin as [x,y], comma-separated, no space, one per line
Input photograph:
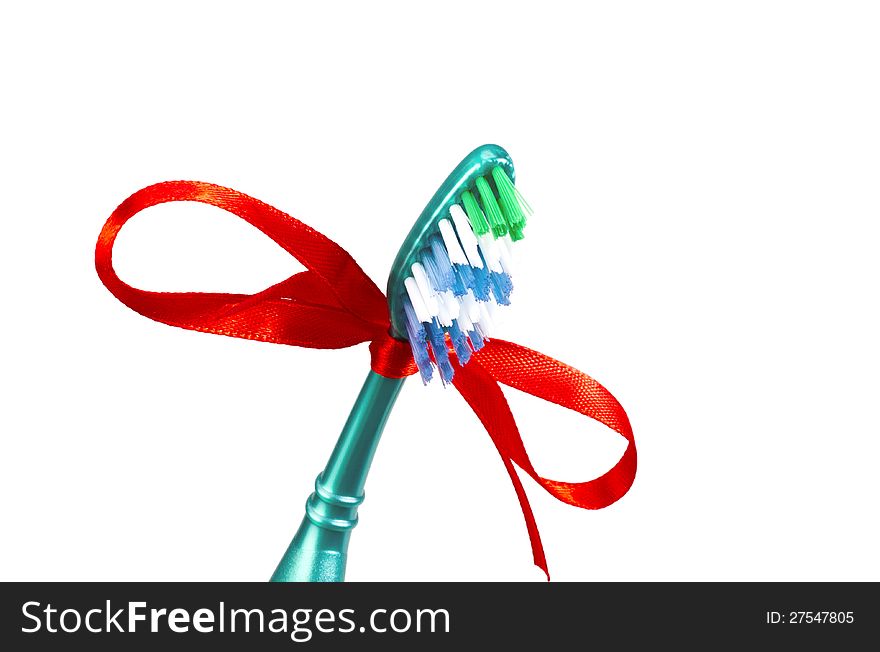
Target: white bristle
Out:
[471,305]
[464,322]
[453,307]
[466,235]
[453,248]
[424,285]
[492,308]
[415,298]
[507,242]
[443,315]
[504,247]
[491,252]
[486,322]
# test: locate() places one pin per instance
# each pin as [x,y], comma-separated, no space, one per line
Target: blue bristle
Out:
[481,283]
[423,360]
[441,257]
[416,335]
[502,286]
[464,274]
[437,338]
[458,286]
[432,270]
[459,343]
[476,339]
[414,327]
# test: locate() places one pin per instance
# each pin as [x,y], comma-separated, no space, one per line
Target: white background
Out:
[705,245]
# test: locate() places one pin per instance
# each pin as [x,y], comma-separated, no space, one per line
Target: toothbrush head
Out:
[454,268]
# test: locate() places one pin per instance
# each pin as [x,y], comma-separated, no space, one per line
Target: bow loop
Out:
[333,304]
[554,381]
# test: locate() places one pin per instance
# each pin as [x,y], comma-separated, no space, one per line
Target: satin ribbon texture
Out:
[334,304]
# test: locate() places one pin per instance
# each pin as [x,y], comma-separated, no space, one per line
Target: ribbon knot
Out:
[391,357]
[334,304]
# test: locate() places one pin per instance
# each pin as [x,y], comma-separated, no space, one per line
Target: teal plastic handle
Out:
[319,549]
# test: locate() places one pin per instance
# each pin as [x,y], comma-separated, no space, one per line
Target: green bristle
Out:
[510,207]
[490,206]
[475,215]
[516,232]
[523,204]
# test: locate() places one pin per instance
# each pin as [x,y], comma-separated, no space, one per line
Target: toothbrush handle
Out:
[319,548]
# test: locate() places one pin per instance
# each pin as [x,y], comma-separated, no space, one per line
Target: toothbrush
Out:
[451,272]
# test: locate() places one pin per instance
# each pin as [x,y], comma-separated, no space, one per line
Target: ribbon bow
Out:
[334,304]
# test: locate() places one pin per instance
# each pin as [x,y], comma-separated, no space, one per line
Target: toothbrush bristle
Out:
[415,332]
[462,273]
[481,284]
[509,200]
[437,337]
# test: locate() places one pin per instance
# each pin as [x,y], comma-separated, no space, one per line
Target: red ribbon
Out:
[334,304]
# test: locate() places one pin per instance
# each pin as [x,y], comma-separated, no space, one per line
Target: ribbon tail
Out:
[529,516]
[483,394]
